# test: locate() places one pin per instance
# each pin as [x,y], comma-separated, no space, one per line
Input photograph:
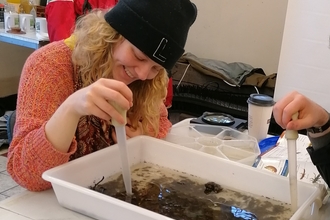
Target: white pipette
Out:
[122,145]
[291,137]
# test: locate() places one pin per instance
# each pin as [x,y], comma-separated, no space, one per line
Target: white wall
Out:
[305,57]
[248,31]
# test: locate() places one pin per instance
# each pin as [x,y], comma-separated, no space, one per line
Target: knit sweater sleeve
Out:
[46,81]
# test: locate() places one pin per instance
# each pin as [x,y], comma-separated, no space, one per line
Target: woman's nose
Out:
[143,71]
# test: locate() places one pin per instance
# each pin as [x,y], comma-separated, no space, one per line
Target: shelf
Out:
[28,40]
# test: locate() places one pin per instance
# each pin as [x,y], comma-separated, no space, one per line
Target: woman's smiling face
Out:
[131,64]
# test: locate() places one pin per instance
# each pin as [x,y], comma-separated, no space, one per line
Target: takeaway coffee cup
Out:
[11,20]
[26,22]
[260,109]
[41,25]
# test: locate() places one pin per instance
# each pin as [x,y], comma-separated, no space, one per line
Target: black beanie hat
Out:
[158,28]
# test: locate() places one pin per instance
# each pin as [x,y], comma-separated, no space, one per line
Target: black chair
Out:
[10,125]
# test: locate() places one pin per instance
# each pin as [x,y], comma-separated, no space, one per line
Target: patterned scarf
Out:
[92,133]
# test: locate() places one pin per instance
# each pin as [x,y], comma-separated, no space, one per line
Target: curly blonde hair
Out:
[94,43]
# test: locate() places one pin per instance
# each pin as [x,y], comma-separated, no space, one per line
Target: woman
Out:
[315,119]
[66,89]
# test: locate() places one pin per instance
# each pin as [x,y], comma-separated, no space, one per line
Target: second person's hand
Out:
[310,113]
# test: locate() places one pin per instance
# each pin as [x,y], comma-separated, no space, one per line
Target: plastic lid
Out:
[261,100]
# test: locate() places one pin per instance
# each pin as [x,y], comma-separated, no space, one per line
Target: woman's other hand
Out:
[130,131]
[310,113]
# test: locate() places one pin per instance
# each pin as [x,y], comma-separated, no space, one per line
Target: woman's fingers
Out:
[118,92]
[98,98]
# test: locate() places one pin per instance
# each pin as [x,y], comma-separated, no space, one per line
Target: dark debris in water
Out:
[183,199]
[212,187]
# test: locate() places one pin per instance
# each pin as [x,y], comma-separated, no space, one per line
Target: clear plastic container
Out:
[220,141]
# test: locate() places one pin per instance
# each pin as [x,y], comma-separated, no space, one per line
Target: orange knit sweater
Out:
[47,80]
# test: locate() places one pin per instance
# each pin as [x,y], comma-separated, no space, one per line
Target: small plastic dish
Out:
[219,141]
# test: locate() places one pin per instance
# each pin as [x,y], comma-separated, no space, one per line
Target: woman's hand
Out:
[310,113]
[95,99]
[130,131]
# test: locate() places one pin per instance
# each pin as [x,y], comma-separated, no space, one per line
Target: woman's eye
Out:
[139,58]
[156,70]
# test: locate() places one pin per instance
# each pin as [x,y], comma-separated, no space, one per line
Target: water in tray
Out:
[182,196]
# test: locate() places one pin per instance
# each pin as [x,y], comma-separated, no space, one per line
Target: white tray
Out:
[71,180]
[220,141]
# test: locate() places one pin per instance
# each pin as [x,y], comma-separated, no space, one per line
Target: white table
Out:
[43,205]
[36,205]
[29,40]
[4,214]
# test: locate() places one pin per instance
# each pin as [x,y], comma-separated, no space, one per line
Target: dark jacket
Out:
[320,155]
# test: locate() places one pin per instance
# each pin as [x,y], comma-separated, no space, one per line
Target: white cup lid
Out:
[260,100]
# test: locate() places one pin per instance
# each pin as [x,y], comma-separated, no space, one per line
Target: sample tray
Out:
[70,181]
[220,141]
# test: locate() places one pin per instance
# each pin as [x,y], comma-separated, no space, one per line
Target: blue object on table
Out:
[285,168]
[267,143]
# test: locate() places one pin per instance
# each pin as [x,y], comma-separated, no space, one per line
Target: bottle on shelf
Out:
[33,11]
[25,6]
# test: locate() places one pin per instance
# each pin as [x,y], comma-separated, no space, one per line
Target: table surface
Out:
[44,205]
[29,40]
[36,205]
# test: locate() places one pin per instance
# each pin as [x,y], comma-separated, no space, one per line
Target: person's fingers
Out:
[104,95]
[278,111]
[284,109]
[310,113]
[110,95]
[289,110]
[119,92]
